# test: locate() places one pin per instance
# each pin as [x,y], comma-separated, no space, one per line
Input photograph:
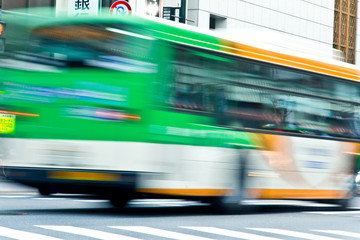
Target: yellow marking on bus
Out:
[244,145]
[186,192]
[262,193]
[88,176]
[352,153]
[262,175]
[7,123]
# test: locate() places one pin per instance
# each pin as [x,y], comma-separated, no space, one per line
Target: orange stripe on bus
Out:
[186,192]
[293,61]
[254,193]
[20,113]
[88,176]
[297,193]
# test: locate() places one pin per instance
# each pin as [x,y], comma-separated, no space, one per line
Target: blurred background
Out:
[195,108]
[328,24]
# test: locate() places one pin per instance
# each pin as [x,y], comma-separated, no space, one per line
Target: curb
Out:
[19,192]
[9,187]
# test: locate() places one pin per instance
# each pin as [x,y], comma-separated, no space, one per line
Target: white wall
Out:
[171,3]
[308,19]
[193,13]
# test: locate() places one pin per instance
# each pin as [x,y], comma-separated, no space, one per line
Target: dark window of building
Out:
[217,22]
[212,22]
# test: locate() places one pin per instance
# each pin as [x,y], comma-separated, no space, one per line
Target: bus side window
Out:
[193,85]
[245,94]
[356,121]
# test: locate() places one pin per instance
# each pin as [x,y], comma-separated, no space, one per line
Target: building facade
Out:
[345,21]
[326,24]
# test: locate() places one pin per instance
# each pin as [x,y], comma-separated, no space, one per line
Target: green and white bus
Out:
[127,107]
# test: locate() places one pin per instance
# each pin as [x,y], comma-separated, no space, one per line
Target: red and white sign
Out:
[120,7]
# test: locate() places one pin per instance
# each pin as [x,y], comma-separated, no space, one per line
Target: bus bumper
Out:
[74,181]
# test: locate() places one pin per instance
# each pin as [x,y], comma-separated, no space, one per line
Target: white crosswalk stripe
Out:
[230,233]
[164,202]
[294,234]
[334,212]
[218,232]
[48,199]
[22,235]
[13,196]
[341,233]
[161,233]
[92,201]
[88,232]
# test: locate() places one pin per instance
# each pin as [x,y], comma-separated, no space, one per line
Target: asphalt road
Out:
[27,215]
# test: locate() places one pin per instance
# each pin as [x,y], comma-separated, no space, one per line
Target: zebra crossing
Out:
[178,231]
[212,233]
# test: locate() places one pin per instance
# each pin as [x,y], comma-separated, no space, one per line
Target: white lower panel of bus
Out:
[178,166]
[291,171]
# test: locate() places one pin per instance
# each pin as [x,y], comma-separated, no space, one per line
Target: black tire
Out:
[45,191]
[119,202]
[345,203]
[232,204]
[221,205]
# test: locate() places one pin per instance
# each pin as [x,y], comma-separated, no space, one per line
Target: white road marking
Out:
[141,201]
[297,203]
[12,196]
[87,232]
[22,235]
[162,202]
[230,233]
[50,199]
[341,233]
[335,212]
[92,201]
[165,202]
[294,234]
[160,232]
[102,235]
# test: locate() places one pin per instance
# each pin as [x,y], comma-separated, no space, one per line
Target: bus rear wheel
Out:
[119,202]
[222,205]
[232,203]
[344,203]
[45,191]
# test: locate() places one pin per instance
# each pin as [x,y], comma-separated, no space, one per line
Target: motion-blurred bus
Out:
[127,107]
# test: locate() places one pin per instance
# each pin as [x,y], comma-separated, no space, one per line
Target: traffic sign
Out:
[120,7]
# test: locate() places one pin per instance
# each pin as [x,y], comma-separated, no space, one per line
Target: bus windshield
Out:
[93,45]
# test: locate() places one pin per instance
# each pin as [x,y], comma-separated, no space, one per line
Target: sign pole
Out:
[183,11]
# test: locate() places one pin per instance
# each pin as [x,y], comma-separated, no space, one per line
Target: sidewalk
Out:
[8,187]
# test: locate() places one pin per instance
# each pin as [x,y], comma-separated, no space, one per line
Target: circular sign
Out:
[120,7]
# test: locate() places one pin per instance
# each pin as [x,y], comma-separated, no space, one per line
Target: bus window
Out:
[251,95]
[197,80]
[107,46]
